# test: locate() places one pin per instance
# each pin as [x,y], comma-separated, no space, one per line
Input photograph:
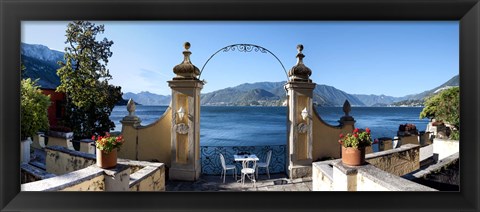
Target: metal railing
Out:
[211,160]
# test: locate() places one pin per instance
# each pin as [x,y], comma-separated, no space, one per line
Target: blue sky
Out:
[391,58]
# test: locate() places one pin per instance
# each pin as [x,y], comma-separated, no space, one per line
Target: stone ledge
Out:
[347,170]
[390,181]
[64,181]
[36,172]
[71,152]
[391,151]
[438,166]
[129,162]
[112,171]
[326,168]
[141,174]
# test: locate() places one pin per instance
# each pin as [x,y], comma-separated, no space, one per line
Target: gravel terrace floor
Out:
[277,182]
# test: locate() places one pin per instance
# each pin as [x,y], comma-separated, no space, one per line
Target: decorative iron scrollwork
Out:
[243,48]
[211,161]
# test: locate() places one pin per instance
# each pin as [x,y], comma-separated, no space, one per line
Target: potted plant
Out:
[353,146]
[106,149]
[407,129]
[33,113]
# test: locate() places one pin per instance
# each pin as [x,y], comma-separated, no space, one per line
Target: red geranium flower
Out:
[355,130]
[341,135]
[367,130]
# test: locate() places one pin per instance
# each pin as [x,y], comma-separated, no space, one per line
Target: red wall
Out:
[56,99]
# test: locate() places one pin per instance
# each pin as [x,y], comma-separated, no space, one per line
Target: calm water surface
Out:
[257,126]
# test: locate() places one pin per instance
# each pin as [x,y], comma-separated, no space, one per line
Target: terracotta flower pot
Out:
[105,160]
[353,156]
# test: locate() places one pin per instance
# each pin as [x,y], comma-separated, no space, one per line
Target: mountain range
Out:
[41,62]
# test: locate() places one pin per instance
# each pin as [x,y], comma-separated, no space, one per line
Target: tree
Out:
[444,106]
[84,79]
[33,110]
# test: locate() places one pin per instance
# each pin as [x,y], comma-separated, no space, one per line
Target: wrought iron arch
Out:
[243,48]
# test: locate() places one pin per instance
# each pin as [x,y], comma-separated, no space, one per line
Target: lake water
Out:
[258,126]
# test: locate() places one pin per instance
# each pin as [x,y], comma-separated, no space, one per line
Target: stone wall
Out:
[399,161]
[30,173]
[60,160]
[148,143]
[370,178]
[128,175]
[444,175]
[38,141]
[145,176]
[325,138]
[87,179]
[323,173]
[150,178]
[445,147]
[381,174]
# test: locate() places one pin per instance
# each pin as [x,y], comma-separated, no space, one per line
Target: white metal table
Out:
[241,158]
[244,158]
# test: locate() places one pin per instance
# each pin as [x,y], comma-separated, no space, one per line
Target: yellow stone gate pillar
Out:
[300,94]
[185,140]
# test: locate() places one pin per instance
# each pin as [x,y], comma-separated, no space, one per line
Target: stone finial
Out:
[131,107]
[186,70]
[300,72]
[347,108]
[300,55]
[300,48]
[131,119]
[347,119]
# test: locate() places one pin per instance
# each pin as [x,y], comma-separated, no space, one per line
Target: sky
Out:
[391,58]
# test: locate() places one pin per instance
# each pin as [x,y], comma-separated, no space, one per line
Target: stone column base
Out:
[183,174]
[299,171]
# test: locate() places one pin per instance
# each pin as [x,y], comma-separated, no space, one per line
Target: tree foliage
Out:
[84,79]
[444,106]
[33,110]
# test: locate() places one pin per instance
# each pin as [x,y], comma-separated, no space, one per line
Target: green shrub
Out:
[33,110]
[444,106]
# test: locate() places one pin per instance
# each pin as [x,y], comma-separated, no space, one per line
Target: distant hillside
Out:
[147,98]
[273,93]
[41,62]
[377,100]
[41,52]
[333,96]
[45,71]
[454,81]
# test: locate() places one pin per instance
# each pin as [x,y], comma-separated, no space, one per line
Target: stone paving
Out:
[277,182]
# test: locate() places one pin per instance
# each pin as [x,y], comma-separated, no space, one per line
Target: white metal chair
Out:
[265,164]
[226,167]
[248,171]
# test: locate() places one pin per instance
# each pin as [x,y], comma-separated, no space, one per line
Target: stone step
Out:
[36,172]
[38,164]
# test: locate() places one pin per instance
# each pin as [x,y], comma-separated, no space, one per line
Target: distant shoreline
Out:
[280,106]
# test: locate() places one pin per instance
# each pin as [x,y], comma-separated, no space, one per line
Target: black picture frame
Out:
[467,12]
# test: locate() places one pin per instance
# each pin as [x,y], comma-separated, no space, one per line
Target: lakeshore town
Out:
[68,143]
